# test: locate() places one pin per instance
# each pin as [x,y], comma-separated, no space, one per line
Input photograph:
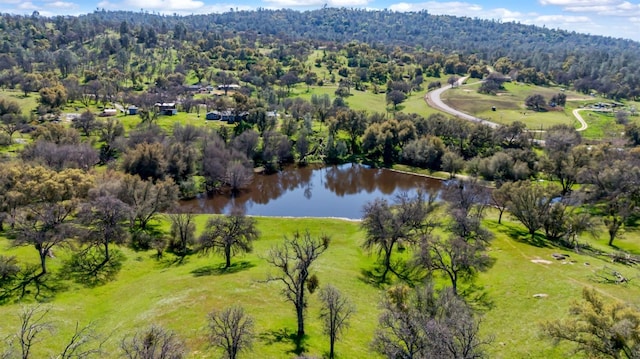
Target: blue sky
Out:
[617,18]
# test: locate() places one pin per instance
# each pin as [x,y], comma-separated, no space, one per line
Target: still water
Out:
[335,191]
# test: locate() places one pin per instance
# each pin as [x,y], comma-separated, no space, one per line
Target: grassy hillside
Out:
[179,295]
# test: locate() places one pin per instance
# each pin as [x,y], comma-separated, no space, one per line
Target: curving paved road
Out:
[583,123]
[433,99]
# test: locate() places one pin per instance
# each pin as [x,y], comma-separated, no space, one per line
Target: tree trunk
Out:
[332,345]
[613,231]
[454,283]
[300,314]
[43,261]
[500,216]
[387,263]
[227,256]
[612,236]
[106,252]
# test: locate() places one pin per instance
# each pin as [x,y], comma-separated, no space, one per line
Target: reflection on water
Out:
[336,191]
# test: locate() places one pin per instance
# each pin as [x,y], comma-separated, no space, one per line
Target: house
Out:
[167,108]
[229,87]
[132,110]
[230,116]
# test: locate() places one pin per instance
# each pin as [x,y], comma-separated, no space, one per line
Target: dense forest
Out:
[103,131]
[590,63]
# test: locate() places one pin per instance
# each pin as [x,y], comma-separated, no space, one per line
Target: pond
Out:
[313,191]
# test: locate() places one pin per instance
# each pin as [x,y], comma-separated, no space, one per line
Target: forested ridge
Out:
[604,64]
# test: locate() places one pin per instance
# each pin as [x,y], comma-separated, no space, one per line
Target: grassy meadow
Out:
[178,296]
[510,107]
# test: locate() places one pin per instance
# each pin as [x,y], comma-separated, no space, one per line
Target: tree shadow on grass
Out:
[91,268]
[373,278]
[168,261]
[220,269]
[478,297]
[29,285]
[522,236]
[285,335]
[409,274]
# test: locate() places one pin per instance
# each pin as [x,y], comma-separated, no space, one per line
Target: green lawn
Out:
[178,296]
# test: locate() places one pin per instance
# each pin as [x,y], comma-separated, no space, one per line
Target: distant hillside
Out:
[589,63]
[598,62]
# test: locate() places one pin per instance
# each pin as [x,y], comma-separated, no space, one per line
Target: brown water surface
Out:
[335,191]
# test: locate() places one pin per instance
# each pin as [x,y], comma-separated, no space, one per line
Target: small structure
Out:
[229,87]
[132,110]
[167,108]
[230,116]
[109,112]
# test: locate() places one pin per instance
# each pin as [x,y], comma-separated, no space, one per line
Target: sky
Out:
[616,18]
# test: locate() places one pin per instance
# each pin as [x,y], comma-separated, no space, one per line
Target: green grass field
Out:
[178,296]
[27,104]
[510,105]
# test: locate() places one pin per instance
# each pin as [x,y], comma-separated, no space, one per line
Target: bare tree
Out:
[238,175]
[32,326]
[427,324]
[104,218]
[529,203]
[228,235]
[45,226]
[386,225]
[81,343]
[453,256]
[335,313]
[153,343]
[146,199]
[293,260]
[183,231]
[500,200]
[232,330]
[463,253]
[86,123]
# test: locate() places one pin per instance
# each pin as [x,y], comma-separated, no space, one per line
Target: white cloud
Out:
[578,2]
[164,5]
[313,3]
[440,8]
[28,5]
[62,5]
[180,7]
[602,7]
[566,19]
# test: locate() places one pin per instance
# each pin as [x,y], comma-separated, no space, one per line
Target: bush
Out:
[5,140]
